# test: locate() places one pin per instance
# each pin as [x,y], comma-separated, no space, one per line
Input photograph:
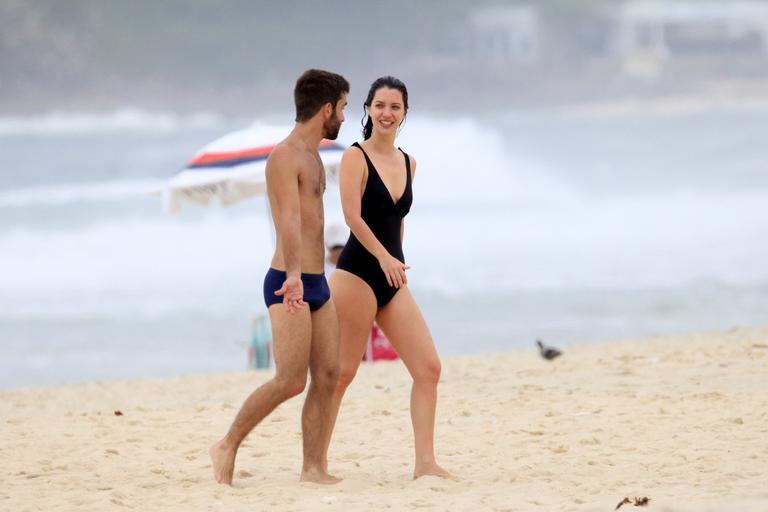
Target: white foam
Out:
[145,265]
[163,264]
[615,244]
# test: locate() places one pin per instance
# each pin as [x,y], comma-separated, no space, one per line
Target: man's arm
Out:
[283,181]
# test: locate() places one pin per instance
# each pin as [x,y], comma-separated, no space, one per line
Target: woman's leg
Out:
[356,309]
[406,329]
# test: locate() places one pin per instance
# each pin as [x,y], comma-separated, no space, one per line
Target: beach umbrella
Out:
[232,167]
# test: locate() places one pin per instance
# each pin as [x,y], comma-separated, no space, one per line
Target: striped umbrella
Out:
[232,167]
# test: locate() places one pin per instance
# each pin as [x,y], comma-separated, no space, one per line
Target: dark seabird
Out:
[546,352]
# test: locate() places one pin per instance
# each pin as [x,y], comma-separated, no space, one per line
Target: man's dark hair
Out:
[315,88]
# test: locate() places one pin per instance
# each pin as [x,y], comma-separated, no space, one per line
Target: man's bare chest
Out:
[312,178]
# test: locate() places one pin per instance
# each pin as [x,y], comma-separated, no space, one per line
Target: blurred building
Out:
[505,34]
[651,33]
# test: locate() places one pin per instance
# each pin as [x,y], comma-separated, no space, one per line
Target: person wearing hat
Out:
[335,240]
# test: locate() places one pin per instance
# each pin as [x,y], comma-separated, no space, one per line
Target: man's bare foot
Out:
[223,459]
[431,469]
[319,477]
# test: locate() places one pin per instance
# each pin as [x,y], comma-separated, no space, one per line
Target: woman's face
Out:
[387,110]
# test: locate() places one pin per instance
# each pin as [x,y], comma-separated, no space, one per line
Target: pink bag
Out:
[379,347]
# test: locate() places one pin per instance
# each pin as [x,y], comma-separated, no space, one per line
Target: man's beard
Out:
[331,128]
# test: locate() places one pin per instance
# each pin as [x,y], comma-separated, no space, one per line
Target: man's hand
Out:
[292,292]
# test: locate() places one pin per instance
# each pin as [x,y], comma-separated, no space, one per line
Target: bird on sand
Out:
[546,352]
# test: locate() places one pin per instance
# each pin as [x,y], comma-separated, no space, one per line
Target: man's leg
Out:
[292,334]
[324,372]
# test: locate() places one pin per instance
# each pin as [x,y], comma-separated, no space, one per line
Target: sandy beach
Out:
[680,420]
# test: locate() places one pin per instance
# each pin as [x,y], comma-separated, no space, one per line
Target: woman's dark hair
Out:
[385,81]
[315,88]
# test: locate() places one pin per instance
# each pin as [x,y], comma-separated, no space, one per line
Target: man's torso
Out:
[311,185]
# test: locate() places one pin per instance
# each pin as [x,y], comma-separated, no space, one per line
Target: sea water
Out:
[561,225]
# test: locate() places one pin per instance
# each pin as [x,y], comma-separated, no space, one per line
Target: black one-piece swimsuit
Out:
[384,217]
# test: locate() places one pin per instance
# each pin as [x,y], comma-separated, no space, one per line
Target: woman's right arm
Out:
[352,179]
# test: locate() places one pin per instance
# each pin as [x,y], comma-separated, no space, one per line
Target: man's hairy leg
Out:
[324,372]
[291,334]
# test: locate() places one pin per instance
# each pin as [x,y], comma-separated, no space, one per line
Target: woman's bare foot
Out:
[319,477]
[223,459]
[431,469]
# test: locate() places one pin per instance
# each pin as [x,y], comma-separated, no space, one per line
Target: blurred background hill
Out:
[235,55]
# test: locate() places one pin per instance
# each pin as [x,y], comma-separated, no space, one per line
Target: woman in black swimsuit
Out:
[370,281]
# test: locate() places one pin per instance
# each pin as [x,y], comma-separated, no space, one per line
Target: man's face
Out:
[333,123]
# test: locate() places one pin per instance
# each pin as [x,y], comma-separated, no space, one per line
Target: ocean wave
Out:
[463,162]
[56,195]
[654,242]
[121,120]
[665,106]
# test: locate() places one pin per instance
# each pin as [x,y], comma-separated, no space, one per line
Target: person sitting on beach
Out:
[370,282]
[304,323]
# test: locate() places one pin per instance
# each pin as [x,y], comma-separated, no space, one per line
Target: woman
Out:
[370,281]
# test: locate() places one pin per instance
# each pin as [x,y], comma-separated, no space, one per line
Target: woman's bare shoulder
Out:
[353,151]
[352,155]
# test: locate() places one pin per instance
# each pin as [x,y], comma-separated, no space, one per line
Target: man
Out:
[304,323]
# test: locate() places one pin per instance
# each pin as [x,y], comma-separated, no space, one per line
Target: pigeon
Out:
[638,502]
[546,352]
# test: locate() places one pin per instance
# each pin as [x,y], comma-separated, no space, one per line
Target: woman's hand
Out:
[394,269]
